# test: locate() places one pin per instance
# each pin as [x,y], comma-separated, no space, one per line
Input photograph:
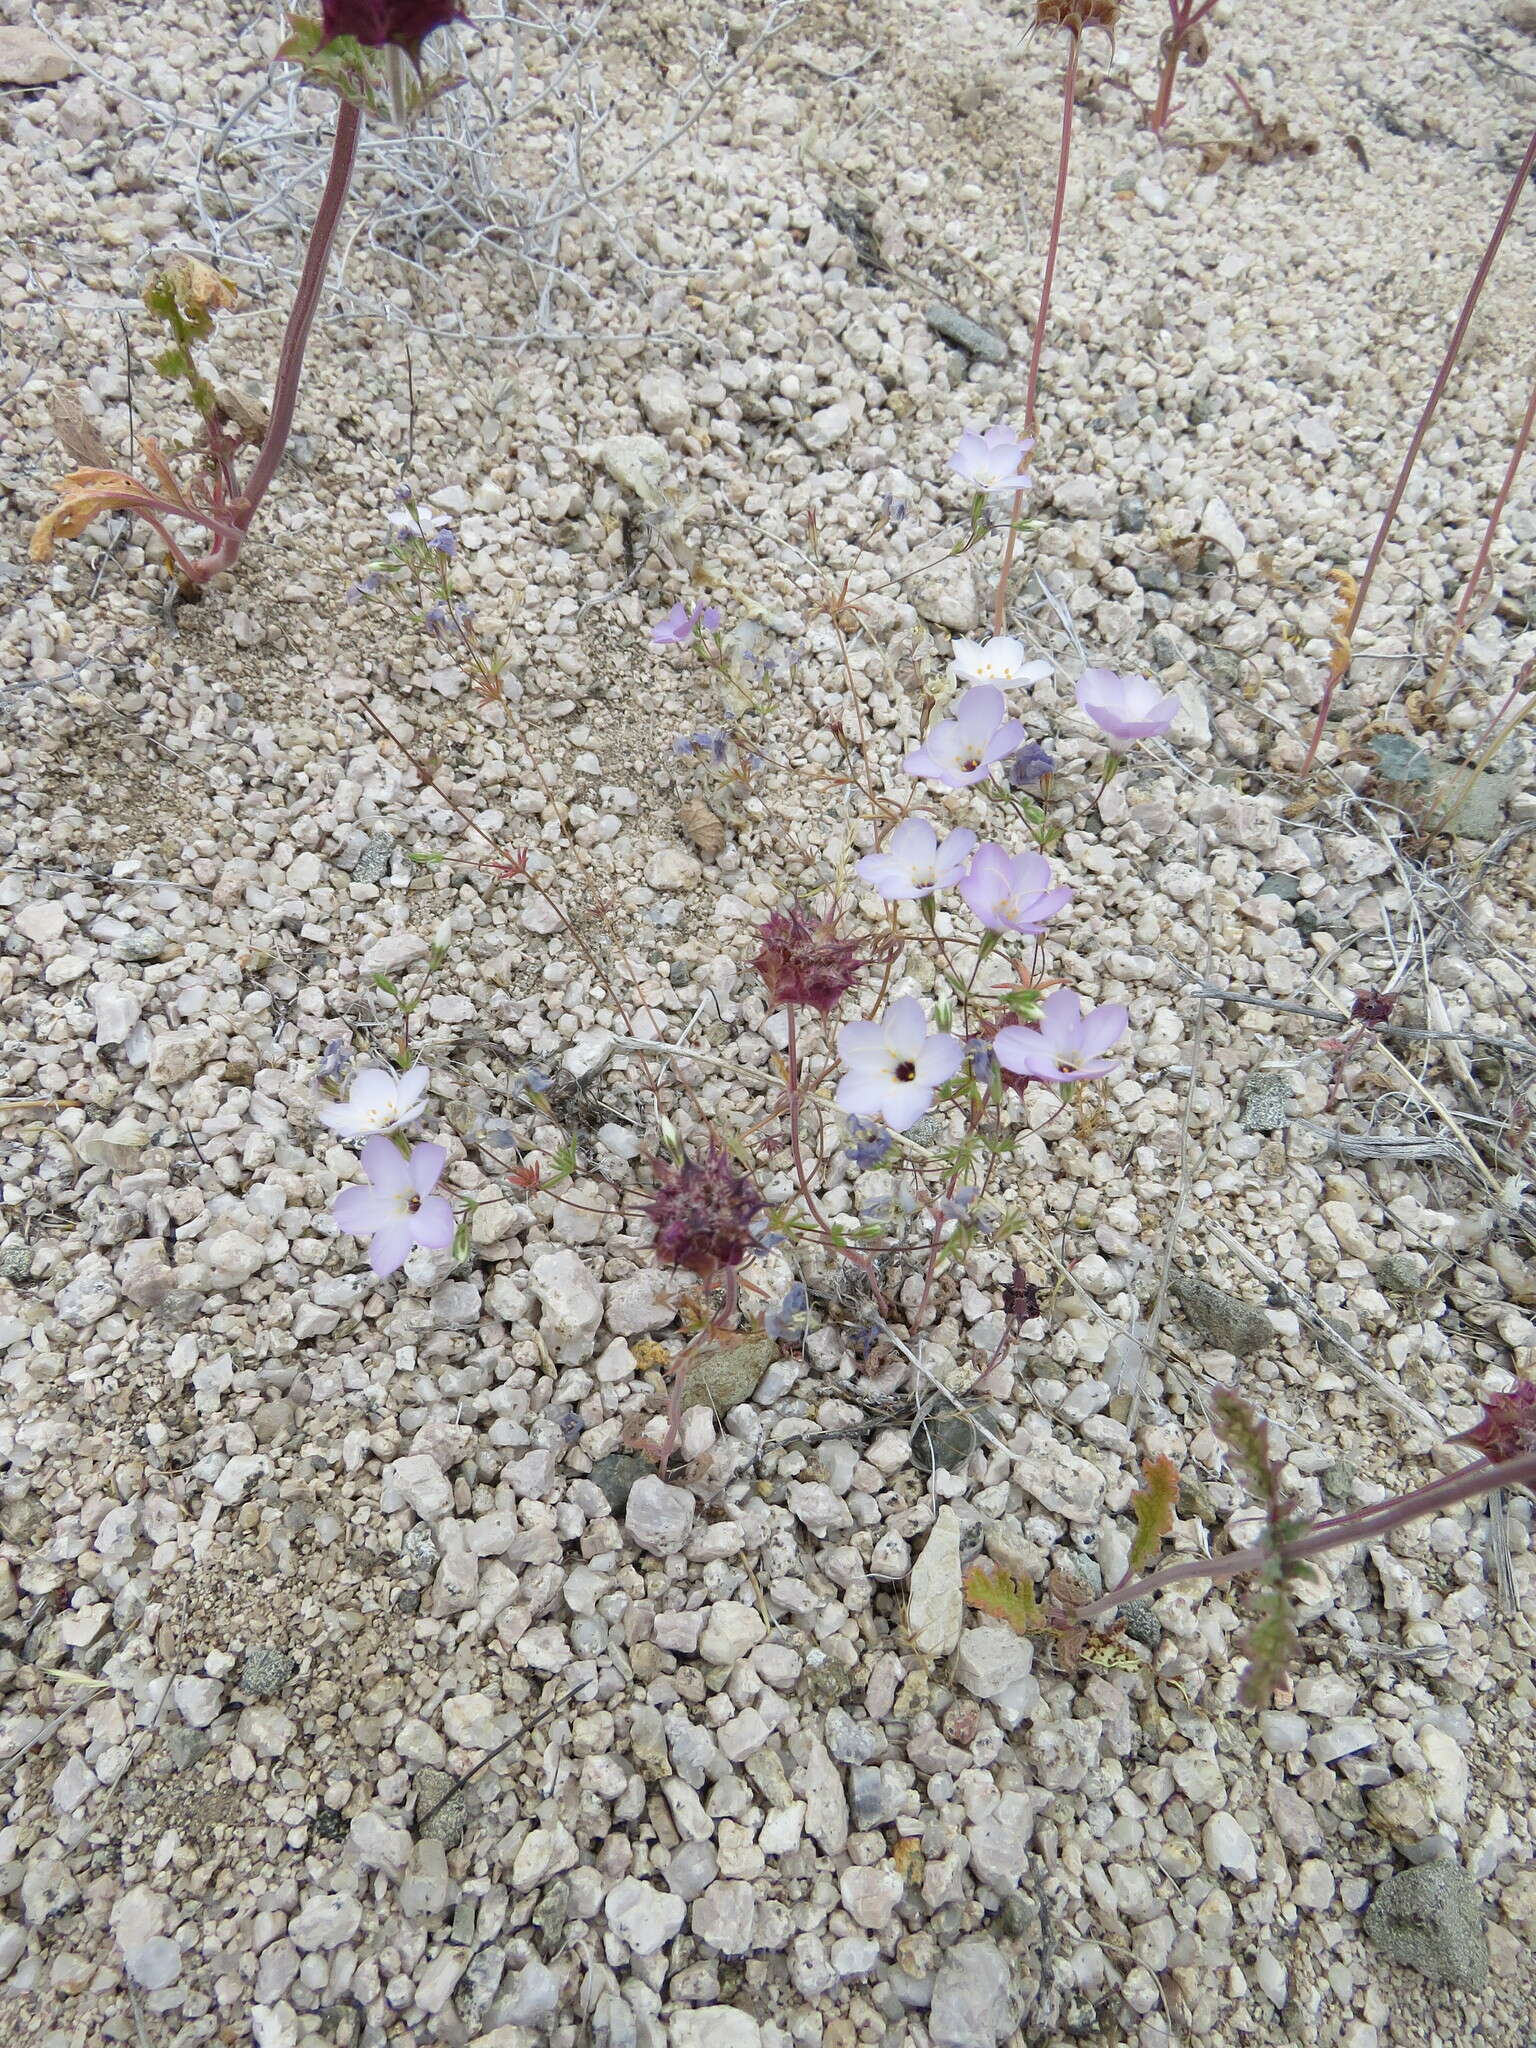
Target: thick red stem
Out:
[290,367]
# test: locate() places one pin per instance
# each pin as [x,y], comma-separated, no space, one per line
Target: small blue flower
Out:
[983,1061]
[1028,765]
[532,1083]
[333,1059]
[868,1143]
[765,1238]
[445,541]
[956,1207]
[786,1321]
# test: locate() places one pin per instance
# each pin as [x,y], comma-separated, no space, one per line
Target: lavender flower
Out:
[703,1211]
[365,586]
[992,459]
[1125,708]
[895,1065]
[398,1210]
[445,541]
[868,1144]
[1065,1045]
[1001,660]
[677,628]
[914,864]
[380,1101]
[1011,892]
[961,750]
[1028,767]
[713,744]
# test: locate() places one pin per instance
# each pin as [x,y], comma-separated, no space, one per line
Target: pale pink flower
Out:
[397,1210]
[914,863]
[1001,660]
[1065,1045]
[1125,708]
[895,1065]
[380,1101]
[1012,892]
[992,459]
[961,750]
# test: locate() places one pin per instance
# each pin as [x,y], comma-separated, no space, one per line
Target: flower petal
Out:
[362,1211]
[435,1223]
[425,1167]
[905,1102]
[863,1093]
[940,1060]
[1101,1029]
[392,1246]
[385,1167]
[861,1043]
[979,713]
[1022,1050]
[904,1027]
[412,1087]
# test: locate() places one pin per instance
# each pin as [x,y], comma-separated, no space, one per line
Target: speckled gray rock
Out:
[1229,1322]
[615,1476]
[441,1813]
[1430,1918]
[265,1671]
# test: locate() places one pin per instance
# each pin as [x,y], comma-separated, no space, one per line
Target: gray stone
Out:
[1230,1323]
[974,2001]
[615,1477]
[265,1671]
[373,863]
[1430,1919]
[1266,1100]
[663,399]
[943,1442]
[968,334]
[441,1811]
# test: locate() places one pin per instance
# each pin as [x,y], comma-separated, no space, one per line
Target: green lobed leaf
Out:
[996,1591]
[1153,1504]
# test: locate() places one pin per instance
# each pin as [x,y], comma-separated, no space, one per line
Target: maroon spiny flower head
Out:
[1508,1427]
[1372,1006]
[804,960]
[702,1210]
[406,23]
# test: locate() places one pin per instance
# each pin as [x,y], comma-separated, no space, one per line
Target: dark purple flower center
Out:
[906,1071]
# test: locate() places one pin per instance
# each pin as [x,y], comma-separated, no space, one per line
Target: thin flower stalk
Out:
[1474,582]
[1340,667]
[1037,344]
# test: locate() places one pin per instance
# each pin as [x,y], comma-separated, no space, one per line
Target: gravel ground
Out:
[353,1686]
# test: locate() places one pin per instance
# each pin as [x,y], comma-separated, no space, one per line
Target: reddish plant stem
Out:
[1362,1526]
[1432,406]
[1184,18]
[1485,549]
[290,367]
[1037,343]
